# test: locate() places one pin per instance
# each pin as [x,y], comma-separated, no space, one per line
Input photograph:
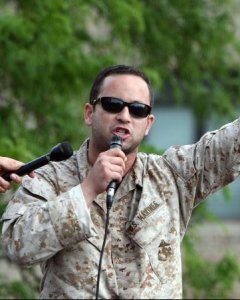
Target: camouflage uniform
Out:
[48,222]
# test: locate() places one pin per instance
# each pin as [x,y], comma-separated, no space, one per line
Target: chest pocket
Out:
[156,231]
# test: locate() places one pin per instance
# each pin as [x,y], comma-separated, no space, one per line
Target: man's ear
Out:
[88,112]
[150,122]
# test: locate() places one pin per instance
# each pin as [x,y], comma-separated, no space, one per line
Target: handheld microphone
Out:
[116,142]
[59,152]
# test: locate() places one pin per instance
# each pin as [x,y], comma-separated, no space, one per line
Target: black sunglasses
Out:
[115,105]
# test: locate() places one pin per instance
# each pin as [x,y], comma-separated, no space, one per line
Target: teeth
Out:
[121,131]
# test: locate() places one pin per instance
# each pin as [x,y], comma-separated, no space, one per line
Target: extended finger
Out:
[4,185]
[9,163]
[2,190]
[15,178]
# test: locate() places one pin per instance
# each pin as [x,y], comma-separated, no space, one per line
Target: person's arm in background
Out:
[9,164]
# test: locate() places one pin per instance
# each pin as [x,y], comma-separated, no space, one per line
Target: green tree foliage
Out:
[205,279]
[50,51]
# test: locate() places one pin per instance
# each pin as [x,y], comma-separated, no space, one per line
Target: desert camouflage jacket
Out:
[48,222]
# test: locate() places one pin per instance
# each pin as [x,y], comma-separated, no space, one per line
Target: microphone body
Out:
[59,152]
[116,142]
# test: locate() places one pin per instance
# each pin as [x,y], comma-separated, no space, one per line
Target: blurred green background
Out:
[50,52]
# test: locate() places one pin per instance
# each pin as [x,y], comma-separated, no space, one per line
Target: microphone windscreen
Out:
[61,151]
[116,142]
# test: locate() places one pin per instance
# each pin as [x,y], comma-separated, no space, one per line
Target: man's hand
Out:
[110,165]
[9,164]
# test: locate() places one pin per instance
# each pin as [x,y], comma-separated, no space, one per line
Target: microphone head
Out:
[116,142]
[61,151]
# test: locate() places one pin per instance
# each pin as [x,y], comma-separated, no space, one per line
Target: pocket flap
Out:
[13,211]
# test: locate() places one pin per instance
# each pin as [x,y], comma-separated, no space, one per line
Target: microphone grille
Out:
[116,142]
[61,151]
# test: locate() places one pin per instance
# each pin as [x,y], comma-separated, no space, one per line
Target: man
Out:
[58,218]
[8,164]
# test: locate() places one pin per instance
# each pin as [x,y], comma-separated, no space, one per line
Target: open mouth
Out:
[122,132]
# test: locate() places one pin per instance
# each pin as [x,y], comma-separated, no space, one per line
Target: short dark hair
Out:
[117,70]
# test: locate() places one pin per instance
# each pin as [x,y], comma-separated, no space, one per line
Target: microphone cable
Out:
[116,142]
[102,251]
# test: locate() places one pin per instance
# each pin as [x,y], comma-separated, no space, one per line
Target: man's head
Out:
[118,70]
[120,103]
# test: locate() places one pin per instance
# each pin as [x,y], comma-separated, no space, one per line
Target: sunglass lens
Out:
[112,105]
[139,110]
[115,105]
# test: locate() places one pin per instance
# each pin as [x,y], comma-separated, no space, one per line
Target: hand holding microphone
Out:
[59,152]
[7,164]
[107,170]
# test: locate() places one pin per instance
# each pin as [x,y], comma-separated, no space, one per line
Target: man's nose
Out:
[124,115]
